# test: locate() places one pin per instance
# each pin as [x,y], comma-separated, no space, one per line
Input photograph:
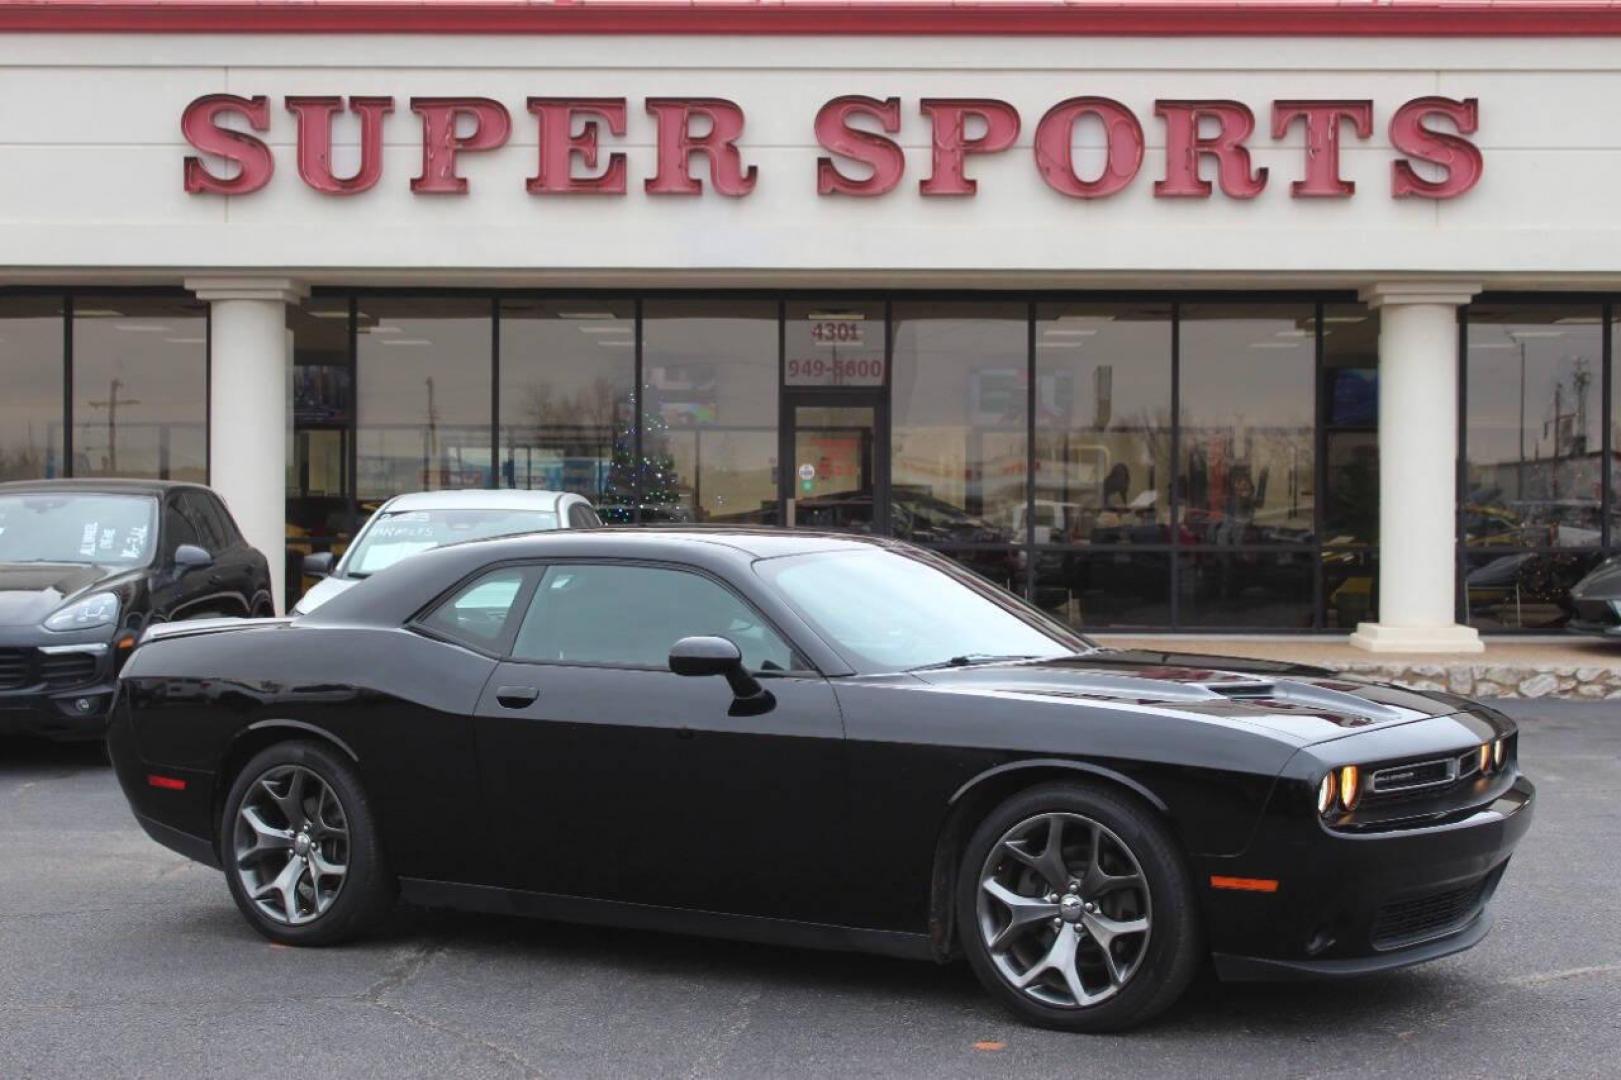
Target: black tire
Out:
[367,889]
[1168,955]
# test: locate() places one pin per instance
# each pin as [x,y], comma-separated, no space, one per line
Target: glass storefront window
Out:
[1534,425]
[1248,392]
[959,422]
[709,414]
[31,370]
[320,489]
[834,344]
[423,381]
[1246,588]
[567,393]
[140,387]
[1522,590]
[1350,424]
[1103,424]
[1099,587]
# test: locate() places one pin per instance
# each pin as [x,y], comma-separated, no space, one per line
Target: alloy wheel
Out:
[291,845]
[1064,910]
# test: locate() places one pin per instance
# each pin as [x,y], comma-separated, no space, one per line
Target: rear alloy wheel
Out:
[300,847]
[1075,911]
[291,849]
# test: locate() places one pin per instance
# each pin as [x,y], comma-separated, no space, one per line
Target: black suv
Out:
[85,567]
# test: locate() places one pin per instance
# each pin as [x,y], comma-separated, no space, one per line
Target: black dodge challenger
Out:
[822,740]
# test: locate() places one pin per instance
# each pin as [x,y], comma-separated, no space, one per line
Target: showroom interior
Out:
[1157,461]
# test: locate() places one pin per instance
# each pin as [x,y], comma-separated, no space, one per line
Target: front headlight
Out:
[87,614]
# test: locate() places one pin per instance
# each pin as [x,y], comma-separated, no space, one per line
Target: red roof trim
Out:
[1393,18]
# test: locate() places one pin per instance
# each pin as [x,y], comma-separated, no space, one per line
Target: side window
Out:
[224,524]
[631,615]
[581,516]
[195,509]
[477,614]
[177,527]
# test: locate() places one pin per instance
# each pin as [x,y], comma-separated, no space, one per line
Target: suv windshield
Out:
[109,530]
[393,536]
[889,611]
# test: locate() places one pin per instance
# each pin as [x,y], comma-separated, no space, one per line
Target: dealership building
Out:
[1171,316]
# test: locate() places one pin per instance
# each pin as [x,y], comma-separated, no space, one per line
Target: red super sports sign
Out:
[862,159]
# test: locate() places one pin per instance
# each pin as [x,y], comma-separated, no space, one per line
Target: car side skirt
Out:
[499,901]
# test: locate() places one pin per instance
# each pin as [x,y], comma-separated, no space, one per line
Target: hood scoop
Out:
[1265,693]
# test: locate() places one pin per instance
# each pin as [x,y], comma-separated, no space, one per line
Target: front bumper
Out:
[55,689]
[1357,903]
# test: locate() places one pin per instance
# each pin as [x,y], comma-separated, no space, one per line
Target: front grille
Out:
[13,669]
[1433,915]
[67,669]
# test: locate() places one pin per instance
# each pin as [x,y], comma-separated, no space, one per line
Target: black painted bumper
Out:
[1356,905]
[57,714]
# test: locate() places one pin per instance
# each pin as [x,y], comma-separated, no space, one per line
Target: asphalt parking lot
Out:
[118,958]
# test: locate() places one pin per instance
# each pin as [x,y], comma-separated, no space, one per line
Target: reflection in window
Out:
[1254,588]
[424,402]
[1103,424]
[1351,422]
[31,371]
[320,511]
[709,422]
[140,378]
[1535,460]
[1103,587]
[1248,387]
[633,615]
[568,380]
[1525,590]
[959,422]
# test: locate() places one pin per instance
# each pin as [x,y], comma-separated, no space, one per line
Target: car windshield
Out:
[398,534]
[108,530]
[889,611]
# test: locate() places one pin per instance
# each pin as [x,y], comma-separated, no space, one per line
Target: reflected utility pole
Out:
[111,405]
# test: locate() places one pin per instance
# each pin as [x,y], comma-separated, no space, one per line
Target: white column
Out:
[247,407]
[1418,454]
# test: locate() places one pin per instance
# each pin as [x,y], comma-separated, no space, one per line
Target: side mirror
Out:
[318,565]
[714,656]
[191,557]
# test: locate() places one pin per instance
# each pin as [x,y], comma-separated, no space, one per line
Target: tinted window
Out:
[631,615]
[205,523]
[477,614]
[580,516]
[893,612]
[178,527]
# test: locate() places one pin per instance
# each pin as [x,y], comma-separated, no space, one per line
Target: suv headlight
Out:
[93,611]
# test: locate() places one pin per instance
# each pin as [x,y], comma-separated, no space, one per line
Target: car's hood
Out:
[322,591]
[1302,704]
[31,591]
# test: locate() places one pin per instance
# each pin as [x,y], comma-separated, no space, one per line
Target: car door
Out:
[611,777]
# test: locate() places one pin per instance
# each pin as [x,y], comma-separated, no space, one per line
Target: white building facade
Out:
[1294,317]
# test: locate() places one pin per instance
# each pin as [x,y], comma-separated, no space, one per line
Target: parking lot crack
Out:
[401,974]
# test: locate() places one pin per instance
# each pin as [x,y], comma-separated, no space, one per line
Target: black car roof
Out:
[412,581]
[104,485]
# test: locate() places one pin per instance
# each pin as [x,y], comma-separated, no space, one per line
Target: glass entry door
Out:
[834,461]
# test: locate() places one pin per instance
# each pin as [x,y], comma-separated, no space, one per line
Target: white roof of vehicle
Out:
[476,499]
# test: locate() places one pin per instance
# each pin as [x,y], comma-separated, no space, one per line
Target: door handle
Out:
[516,697]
